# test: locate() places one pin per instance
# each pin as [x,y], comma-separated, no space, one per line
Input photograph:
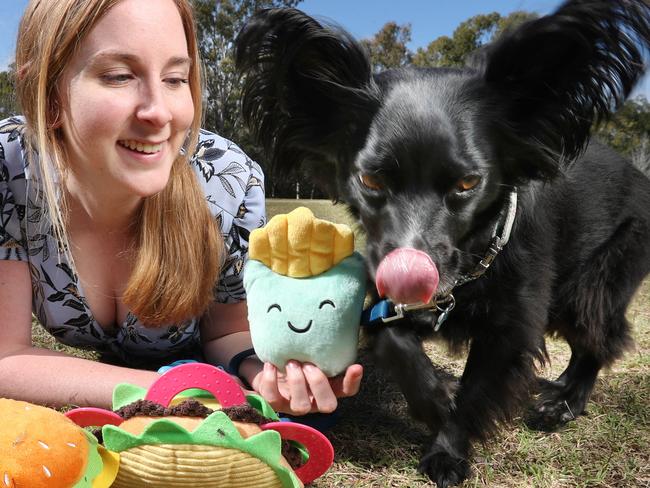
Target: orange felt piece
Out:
[39,447]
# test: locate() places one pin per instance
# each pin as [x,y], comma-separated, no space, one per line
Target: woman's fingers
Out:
[304,387]
[348,384]
[268,387]
[321,390]
[299,401]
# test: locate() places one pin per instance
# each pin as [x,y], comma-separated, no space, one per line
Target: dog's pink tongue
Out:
[407,276]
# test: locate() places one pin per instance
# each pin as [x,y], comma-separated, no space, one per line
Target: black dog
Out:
[432,160]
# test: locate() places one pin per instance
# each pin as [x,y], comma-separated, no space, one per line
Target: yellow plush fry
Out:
[299,245]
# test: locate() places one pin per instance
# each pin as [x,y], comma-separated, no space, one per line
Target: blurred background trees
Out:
[219,21]
[8,105]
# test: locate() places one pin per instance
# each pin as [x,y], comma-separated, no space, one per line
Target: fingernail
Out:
[292,365]
[308,366]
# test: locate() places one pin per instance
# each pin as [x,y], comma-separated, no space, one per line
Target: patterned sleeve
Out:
[12,191]
[234,186]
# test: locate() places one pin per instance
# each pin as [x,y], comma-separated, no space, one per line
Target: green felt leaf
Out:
[94,465]
[125,393]
[262,406]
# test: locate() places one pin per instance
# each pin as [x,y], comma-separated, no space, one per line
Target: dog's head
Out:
[426,158]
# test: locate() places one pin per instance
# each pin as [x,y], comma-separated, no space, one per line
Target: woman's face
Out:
[126,101]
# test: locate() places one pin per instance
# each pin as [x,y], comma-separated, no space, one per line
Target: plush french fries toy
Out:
[227,441]
[41,448]
[305,289]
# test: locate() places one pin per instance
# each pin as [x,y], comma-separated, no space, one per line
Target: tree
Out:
[468,37]
[387,49]
[218,22]
[629,130]
[8,103]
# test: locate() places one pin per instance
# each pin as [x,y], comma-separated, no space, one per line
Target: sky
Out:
[429,19]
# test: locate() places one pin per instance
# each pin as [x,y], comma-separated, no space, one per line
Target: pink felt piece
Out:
[196,375]
[93,417]
[407,275]
[321,452]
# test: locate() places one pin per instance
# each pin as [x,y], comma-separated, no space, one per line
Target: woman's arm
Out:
[302,389]
[43,376]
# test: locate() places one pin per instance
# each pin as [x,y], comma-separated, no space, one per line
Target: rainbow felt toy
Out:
[163,440]
[41,448]
[305,289]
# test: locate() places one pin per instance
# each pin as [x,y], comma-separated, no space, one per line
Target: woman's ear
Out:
[308,91]
[560,74]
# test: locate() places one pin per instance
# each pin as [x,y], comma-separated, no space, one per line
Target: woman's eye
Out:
[370,181]
[175,82]
[117,78]
[467,183]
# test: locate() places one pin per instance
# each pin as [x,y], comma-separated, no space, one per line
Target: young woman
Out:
[122,226]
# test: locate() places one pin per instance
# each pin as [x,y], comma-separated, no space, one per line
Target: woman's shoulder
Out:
[225,171]
[216,154]
[12,149]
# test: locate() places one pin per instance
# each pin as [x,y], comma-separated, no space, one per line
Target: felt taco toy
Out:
[41,448]
[164,440]
[305,289]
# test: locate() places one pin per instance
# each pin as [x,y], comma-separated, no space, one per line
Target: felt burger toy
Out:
[41,448]
[224,439]
[305,287]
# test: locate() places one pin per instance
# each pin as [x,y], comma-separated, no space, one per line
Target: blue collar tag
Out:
[376,314]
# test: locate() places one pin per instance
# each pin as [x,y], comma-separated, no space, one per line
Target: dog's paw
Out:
[552,410]
[444,469]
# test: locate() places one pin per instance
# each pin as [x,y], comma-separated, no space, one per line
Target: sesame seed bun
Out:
[39,447]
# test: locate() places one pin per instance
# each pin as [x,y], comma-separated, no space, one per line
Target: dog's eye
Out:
[370,181]
[468,182]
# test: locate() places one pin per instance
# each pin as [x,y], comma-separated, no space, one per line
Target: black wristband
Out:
[235,363]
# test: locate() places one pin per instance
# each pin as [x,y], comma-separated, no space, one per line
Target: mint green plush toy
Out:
[305,288]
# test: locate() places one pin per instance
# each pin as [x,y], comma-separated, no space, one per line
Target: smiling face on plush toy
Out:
[314,319]
[297,327]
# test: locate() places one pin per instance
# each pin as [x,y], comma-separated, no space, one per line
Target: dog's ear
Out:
[560,74]
[308,93]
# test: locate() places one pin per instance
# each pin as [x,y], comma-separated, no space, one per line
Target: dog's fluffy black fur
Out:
[403,149]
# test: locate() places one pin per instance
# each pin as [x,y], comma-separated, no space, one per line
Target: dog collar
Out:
[386,311]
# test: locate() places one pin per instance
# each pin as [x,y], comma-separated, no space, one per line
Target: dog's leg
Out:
[594,324]
[428,392]
[495,382]
[563,400]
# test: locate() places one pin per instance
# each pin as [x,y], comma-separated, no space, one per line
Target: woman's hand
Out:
[304,388]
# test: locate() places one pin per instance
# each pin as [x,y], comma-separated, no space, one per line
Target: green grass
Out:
[377,445]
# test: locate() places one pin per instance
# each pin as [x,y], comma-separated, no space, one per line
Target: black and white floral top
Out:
[234,189]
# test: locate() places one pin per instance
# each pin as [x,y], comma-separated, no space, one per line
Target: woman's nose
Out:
[154,107]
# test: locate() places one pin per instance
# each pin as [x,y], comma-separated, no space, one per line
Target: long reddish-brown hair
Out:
[178,248]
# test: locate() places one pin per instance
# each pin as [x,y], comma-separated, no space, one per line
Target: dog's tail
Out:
[304,82]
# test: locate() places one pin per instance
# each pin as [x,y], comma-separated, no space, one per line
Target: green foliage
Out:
[387,48]
[629,130]
[8,104]
[218,22]
[468,37]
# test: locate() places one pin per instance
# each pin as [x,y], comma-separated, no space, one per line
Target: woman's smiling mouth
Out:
[141,147]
